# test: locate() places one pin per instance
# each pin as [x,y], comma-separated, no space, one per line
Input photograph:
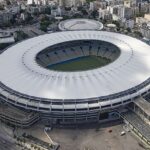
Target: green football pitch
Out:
[80,64]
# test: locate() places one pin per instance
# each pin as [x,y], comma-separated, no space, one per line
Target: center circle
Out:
[78,55]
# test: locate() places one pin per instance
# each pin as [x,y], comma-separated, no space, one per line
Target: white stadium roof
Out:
[20,71]
[80,24]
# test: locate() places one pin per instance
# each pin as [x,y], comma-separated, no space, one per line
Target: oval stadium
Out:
[75,76]
[79,24]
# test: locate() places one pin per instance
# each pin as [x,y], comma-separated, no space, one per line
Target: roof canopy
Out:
[20,71]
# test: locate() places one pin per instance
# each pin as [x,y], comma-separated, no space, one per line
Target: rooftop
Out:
[22,73]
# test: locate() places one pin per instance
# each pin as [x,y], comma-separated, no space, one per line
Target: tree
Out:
[88,1]
[1,7]
[65,17]
[116,23]
[141,14]
[94,13]
[84,12]
[8,2]
[77,15]
[80,8]
[138,34]
[48,10]
[43,28]
[128,29]
[67,8]
[44,23]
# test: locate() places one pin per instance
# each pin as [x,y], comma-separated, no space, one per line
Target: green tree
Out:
[94,13]
[88,1]
[128,29]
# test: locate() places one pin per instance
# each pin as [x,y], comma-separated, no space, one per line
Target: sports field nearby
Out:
[80,64]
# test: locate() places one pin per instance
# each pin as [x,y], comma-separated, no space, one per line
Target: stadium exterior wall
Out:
[90,113]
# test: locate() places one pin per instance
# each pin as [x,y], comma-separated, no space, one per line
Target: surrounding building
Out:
[6,37]
[5,18]
[145,30]
[125,12]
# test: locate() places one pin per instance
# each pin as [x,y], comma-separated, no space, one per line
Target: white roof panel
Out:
[20,72]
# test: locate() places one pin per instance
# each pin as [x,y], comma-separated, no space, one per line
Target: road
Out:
[6,141]
[6,144]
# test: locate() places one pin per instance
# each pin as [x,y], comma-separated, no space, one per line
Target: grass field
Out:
[80,64]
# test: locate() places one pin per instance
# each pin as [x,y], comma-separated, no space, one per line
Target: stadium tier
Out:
[120,74]
[75,50]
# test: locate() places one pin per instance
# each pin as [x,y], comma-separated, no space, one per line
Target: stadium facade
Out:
[74,96]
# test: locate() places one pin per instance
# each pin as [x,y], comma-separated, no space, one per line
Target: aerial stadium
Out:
[80,24]
[75,76]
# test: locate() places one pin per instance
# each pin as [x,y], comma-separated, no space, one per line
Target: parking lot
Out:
[104,138]
[91,137]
